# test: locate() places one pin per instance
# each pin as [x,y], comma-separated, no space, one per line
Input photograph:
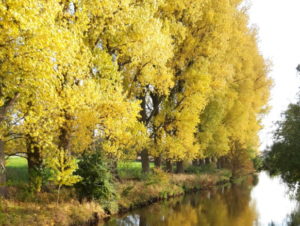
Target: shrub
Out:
[96,183]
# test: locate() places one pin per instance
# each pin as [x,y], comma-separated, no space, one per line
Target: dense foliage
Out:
[96,183]
[283,157]
[177,80]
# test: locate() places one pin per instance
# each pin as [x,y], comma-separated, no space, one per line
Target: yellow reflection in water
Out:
[229,206]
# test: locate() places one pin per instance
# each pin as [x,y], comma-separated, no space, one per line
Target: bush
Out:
[96,183]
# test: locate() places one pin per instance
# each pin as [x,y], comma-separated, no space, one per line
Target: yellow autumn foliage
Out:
[179,79]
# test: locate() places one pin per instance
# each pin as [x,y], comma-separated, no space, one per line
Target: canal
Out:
[257,200]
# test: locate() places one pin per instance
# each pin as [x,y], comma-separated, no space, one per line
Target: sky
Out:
[279,41]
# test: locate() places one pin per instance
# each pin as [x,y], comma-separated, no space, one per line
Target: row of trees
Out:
[171,79]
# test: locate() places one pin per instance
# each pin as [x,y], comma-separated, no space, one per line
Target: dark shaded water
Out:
[259,200]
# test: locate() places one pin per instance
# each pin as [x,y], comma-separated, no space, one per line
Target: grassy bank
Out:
[135,194]
[22,207]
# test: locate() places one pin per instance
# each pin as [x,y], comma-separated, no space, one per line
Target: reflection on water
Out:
[273,201]
[249,203]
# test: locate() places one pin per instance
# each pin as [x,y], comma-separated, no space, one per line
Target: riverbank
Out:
[42,209]
[241,203]
[136,194]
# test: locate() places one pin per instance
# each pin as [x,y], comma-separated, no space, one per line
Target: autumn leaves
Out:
[178,79]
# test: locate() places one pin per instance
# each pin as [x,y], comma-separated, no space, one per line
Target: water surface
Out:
[259,200]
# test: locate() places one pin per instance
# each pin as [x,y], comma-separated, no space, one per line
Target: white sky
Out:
[279,41]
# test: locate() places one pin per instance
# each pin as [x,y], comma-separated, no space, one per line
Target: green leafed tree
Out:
[284,155]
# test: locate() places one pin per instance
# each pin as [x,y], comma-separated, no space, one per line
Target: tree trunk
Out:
[214,162]
[145,161]
[34,165]
[2,169]
[144,153]
[114,169]
[157,162]
[169,166]
[195,162]
[221,162]
[179,167]
[3,114]
[34,161]
[64,142]
[207,161]
[201,162]
[225,162]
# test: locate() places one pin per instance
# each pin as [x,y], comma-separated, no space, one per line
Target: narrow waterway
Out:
[258,200]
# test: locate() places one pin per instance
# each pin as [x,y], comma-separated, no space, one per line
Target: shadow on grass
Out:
[16,170]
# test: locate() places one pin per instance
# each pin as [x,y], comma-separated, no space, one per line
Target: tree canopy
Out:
[178,80]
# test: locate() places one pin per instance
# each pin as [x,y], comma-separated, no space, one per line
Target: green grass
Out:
[16,170]
[131,169]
